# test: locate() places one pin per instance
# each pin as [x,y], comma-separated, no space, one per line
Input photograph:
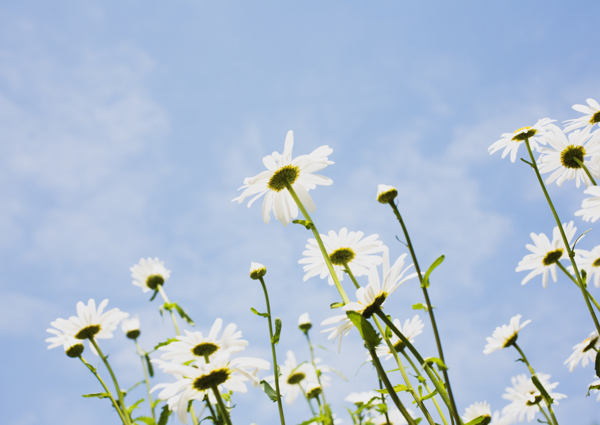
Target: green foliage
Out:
[435,360]
[98,395]
[397,388]
[162,344]
[269,391]
[164,415]
[436,263]
[253,310]
[308,224]
[421,306]
[476,421]
[182,314]
[275,339]
[368,333]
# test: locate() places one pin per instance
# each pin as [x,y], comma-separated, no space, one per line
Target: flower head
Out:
[526,398]
[72,346]
[131,327]
[386,194]
[590,262]
[257,271]
[584,351]
[545,254]
[343,248]
[591,117]
[304,322]
[505,335]
[476,410]
[590,207]
[282,170]
[511,141]
[410,330]
[293,376]
[148,274]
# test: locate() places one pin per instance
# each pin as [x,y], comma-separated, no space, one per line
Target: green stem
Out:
[349,272]
[163,294]
[436,333]
[193,413]
[387,418]
[146,378]
[114,379]
[275,367]
[390,388]
[110,396]
[565,271]
[327,411]
[586,170]
[545,414]
[564,237]
[317,236]
[221,404]
[308,401]
[212,411]
[411,389]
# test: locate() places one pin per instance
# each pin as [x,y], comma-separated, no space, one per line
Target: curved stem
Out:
[347,270]
[212,411]
[545,414]
[221,404]
[586,170]
[326,409]
[565,271]
[163,294]
[436,333]
[110,396]
[317,236]
[146,378]
[387,418]
[564,237]
[275,367]
[312,409]
[114,379]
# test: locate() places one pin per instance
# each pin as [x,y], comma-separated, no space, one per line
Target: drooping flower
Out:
[386,194]
[410,330]
[345,247]
[591,117]
[526,398]
[590,207]
[282,169]
[562,154]
[545,254]
[195,346]
[511,141]
[304,322]
[505,335]
[584,351]
[590,262]
[292,376]
[131,327]
[148,274]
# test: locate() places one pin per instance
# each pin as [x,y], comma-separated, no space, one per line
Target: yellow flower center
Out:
[570,154]
[154,280]
[295,378]
[204,349]
[595,118]
[214,378]
[286,174]
[552,257]
[521,135]
[342,256]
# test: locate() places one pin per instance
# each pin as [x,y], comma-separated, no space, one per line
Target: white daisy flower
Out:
[298,172]
[525,397]
[545,254]
[292,376]
[590,262]
[476,410]
[590,207]
[363,398]
[596,382]
[591,117]
[562,153]
[149,273]
[194,346]
[72,346]
[194,382]
[386,194]
[410,330]
[505,335]
[345,247]
[395,416]
[304,322]
[584,351]
[511,141]
[90,322]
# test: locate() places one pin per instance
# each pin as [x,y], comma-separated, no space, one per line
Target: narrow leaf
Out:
[577,240]
[336,305]
[134,386]
[369,335]
[597,364]
[477,420]
[308,224]
[420,306]
[531,165]
[428,396]
[184,315]
[145,419]
[134,406]
[98,395]
[397,388]
[253,310]
[162,344]
[436,263]
[435,360]
[154,295]
[269,391]
[164,415]
[541,389]
[275,339]
[592,387]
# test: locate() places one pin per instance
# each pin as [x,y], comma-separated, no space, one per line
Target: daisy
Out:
[194,382]
[590,262]
[72,346]
[89,322]
[511,141]
[131,327]
[591,117]
[525,397]
[410,330]
[343,248]
[386,194]
[297,172]
[545,254]
[505,335]
[194,346]
[476,410]
[562,153]
[257,271]
[304,322]
[590,207]
[292,376]
[585,351]
[149,273]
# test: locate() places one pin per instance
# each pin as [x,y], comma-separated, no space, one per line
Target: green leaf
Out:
[133,387]
[269,391]
[336,305]
[579,237]
[253,310]
[428,396]
[98,395]
[308,224]
[477,420]
[164,415]
[597,364]
[149,363]
[162,344]
[184,315]
[134,406]
[154,295]
[145,419]
[318,418]
[369,335]
[542,390]
[397,388]
[275,339]
[418,420]
[592,387]
[425,283]
[435,360]
[421,306]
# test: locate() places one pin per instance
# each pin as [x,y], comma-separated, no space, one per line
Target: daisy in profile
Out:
[510,142]
[526,398]
[297,172]
[131,327]
[194,382]
[584,351]
[148,274]
[410,330]
[195,346]
[304,322]
[590,262]
[590,207]
[563,153]
[545,254]
[343,248]
[505,335]
[90,322]
[292,377]
[591,117]
[72,346]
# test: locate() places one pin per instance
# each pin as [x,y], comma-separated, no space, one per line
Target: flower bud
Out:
[314,390]
[131,327]
[257,271]
[73,347]
[386,194]
[304,323]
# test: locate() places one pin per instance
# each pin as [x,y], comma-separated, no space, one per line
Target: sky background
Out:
[127,127]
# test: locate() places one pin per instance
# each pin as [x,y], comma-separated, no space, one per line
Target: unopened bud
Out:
[386,194]
[304,322]
[131,327]
[257,271]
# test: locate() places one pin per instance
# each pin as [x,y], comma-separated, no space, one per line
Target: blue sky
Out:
[127,127]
